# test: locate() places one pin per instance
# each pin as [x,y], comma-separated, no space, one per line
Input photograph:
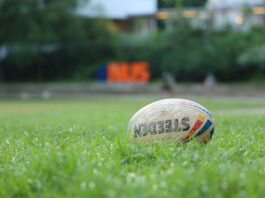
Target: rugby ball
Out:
[179,120]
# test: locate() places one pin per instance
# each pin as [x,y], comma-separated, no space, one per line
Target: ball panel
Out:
[179,120]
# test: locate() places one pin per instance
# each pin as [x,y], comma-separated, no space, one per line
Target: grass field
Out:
[80,149]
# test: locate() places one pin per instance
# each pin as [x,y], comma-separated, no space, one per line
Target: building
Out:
[238,14]
[137,16]
[141,16]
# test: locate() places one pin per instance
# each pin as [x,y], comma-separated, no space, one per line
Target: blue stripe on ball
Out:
[204,128]
[211,133]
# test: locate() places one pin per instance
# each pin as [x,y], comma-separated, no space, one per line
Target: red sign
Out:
[135,72]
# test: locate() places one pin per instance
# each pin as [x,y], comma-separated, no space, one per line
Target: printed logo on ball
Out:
[162,126]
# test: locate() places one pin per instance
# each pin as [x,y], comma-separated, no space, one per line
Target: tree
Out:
[45,35]
[35,21]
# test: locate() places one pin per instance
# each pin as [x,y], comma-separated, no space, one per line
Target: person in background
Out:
[168,83]
[209,85]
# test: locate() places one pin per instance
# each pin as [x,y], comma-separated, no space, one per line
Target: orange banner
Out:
[135,72]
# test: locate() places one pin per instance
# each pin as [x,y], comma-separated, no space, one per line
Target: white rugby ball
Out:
[174,119]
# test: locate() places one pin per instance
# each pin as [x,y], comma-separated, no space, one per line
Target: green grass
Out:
[80,149]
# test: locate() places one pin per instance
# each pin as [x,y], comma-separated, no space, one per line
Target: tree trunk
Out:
[40,73]
[2,76]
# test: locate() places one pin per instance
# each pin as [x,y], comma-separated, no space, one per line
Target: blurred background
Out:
[67,48]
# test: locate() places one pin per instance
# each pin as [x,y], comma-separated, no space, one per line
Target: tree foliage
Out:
[46,40]
[189,55]
[37,21]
